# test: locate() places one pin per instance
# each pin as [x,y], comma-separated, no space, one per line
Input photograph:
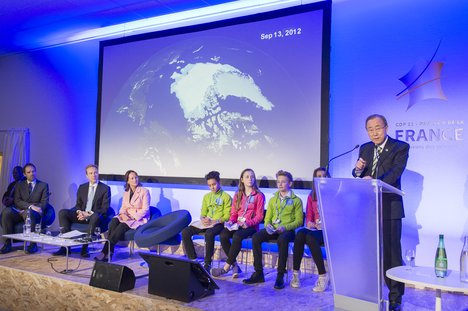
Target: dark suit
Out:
[101,203]
[23,199]
[390,167]
[9,195]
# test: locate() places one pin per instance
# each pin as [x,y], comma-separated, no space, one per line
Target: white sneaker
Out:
[236,271]
[296,282]
[322,283]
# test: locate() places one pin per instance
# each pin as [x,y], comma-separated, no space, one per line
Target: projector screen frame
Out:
[325,6]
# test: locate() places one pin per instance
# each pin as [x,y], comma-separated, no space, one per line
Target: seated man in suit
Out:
[8,198]
[92,202]
[31,196]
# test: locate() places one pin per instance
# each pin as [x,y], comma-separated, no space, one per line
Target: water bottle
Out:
[441,259]
[27,223]
[464,262]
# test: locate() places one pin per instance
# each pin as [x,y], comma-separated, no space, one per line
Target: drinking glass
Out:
[48,233]
[38,229]
[25,230]
[60,232]
[97,232]
[410,255]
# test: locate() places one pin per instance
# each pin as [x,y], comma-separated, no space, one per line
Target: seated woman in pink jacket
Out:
[311,235]
[134,212]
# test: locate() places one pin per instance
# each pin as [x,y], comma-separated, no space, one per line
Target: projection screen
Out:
[245,92]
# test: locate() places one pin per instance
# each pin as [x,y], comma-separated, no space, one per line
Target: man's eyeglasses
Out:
[376,130]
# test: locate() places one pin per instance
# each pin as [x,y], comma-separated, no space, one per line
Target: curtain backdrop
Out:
[15,149]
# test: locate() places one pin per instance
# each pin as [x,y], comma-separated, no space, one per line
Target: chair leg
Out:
[132,247]
[246,258]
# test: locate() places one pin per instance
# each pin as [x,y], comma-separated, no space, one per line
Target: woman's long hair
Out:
[127,176]
[313,192]
[241,187]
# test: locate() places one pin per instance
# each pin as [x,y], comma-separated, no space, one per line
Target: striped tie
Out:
[377,151]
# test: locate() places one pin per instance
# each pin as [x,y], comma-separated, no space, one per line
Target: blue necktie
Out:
[89,203]
[30,188]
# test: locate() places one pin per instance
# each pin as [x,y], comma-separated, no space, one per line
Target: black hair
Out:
[212,175]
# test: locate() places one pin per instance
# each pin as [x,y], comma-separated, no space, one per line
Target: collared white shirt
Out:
[288,195]
[94,187]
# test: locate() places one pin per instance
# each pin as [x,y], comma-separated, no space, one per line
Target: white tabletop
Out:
[47,239]
[425,276]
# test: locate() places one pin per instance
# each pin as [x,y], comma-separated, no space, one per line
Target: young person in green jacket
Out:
[284,214]
[215,211]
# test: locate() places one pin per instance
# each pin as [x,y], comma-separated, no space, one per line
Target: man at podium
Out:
[385,158]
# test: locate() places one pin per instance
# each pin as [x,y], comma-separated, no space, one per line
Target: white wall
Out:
[54,93]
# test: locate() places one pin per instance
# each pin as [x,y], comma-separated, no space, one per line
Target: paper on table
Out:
[198,224]
[270,229]
[72,234]
[231,227]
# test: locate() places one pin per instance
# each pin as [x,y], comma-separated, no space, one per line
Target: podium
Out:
[350,210]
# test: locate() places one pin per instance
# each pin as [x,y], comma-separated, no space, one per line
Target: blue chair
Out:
[47,219]
[163,230]
[130,234]
[84,227]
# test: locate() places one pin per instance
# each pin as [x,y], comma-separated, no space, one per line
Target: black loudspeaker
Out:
[178,278]
[112,277]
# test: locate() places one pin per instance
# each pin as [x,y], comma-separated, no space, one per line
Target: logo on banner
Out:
[423,81]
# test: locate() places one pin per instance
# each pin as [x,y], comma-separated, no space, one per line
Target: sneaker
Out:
[296,282]
[256,277]
[216,272]
[322,283]
[279,283]
[236,271]
[101,257]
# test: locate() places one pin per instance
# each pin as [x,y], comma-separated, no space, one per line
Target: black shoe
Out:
[32,248]
[279,283]
[256,277]
[207,267]
[395,306]
[61,252]
[101,257]
[84,251]
[6,248]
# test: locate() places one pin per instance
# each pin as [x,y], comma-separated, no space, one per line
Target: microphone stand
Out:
[328,164]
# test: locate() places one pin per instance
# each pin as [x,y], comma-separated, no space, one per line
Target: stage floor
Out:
[50,290]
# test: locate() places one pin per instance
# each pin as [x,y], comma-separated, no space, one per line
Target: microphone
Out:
[328,164]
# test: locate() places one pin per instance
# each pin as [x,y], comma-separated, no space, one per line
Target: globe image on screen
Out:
[194,95]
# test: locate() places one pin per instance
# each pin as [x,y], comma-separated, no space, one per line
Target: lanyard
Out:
[248,200]
[215,201]
[282,206]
